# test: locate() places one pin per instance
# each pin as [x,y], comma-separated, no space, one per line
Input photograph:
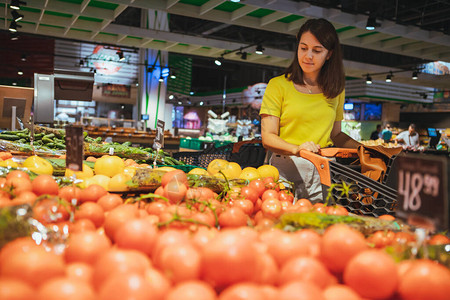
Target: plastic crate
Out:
[185,143]
[196,144]
[198,159]
[366,196]
[185,168]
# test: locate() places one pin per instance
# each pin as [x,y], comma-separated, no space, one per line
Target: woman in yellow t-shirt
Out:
[303,108]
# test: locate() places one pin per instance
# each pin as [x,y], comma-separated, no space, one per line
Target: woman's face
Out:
[311,54]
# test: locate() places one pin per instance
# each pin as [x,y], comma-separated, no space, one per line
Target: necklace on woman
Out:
[308,87]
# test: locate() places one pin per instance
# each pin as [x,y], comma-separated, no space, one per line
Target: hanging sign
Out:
[423,190]
[159,139]
[74,147]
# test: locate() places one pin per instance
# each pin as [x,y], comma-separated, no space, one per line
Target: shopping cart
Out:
[365,196]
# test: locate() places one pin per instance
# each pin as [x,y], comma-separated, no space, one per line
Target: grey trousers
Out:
[302,173]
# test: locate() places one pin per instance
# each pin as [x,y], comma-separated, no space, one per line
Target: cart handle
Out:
[339,152]
[321,163]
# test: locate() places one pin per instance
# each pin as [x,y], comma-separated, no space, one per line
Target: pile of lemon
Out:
[220,168]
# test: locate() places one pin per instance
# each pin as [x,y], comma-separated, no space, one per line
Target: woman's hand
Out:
[310,146]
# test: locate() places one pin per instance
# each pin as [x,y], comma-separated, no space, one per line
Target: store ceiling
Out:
[410,31]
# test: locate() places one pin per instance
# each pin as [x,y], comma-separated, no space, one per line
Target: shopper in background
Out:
[376,134]
[303,108]
[386,134]
[409,138]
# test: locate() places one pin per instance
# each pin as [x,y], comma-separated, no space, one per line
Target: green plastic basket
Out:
[185,168]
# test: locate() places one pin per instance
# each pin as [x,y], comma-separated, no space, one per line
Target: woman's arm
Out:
[341,139]
[270,127]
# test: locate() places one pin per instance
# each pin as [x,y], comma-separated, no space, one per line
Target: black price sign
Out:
[159,139]
[423,190]
[74,148]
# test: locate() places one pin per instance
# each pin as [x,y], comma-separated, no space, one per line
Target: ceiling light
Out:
[201,103]
[14,83]
[179,102]
[218,61]
[14,36]
[371,23]
[389,77]
[170,97]
[120,54]
[173,75]
[20,72]
[259,49]
[191,93]
[24,57]
[15,4]
[161,79]
[13,26]
[414,75]
[368,79]
[235,1]
[16,16]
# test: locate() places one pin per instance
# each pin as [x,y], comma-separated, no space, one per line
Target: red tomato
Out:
[116,217]
[425,279]
[180,262]
[86,247]
[340,292]
[119,261]
[137,234]
[175,191]
[245,205]
[439,239]
[33,267]
[19,185]
[159,283]
[192,290]
[270,183]
[286,195]
[229,258]
[372,274]
[336,210]
[271,207]
[249,193]
[203,236]
[381,238]
[156,207]
[121,286]
[12,289]
[258,186]
[69,193]
[44,184]
[80,271]
[17,174]
[81,226]
[166,238]
[319,208]
[65,288]
[177,176]
[50,210]
[110,201]
[206,218]
[304,203]
[300,290]
[269,194]
[267,272]
[24,197]
[241,291]
[22,244]
[387,217]
[303,268]
[91,211]
[339,244]
[233,217]
[92,193]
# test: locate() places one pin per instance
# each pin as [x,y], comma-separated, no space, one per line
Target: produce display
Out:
[121,229]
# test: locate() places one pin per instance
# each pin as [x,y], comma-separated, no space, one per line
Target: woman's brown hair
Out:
[331,79]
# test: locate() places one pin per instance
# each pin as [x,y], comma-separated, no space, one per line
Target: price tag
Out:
[159,139]
[423,190]
[74,147]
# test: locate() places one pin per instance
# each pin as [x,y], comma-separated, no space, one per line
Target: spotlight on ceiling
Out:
[16,16]
[171,97]
[201,103]
[161,79]
[13,26]
[173,75]
[235,1]
[389,77]
[20,72]
[218,61]
[120,54]
[23,58]
[368,79]
[371,23]
[15,4]
[259,49]
[415,75]
[14,36]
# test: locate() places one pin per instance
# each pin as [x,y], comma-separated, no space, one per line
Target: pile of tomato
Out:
[188,243]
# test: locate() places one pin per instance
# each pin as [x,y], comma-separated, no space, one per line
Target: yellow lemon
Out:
[118,183]
[131,170]
[38,165]
[249,173]
[102,180]
[109,165]
[9,163]
[85,173]
[198,171]
[217,165]
[232,170]
[269,171]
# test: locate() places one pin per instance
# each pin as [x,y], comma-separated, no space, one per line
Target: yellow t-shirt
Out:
[303,117]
